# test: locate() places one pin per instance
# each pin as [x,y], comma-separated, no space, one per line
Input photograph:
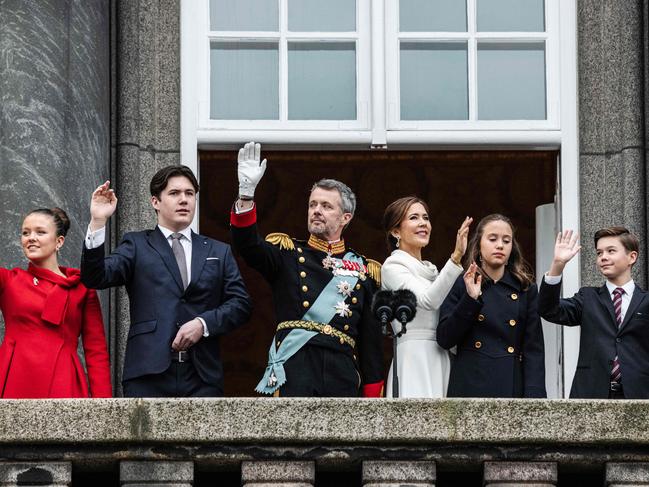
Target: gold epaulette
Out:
[281,239]
[374,270]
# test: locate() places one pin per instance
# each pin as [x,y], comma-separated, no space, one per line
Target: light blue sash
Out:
[322,311]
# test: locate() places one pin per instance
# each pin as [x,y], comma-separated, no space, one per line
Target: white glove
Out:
[250,170]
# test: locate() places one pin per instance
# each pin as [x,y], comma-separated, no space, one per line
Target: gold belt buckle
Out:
[327,329]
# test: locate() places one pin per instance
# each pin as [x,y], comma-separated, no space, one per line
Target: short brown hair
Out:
[160,179]
[628,240]
[394,215]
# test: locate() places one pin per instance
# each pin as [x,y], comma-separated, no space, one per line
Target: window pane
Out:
[511,81]
[244,81]
[511,16]
[322,81]
[244,15]
[434,84]
[321,15]
[432,15]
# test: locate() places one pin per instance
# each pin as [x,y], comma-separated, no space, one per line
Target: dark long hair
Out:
[395,213]
[517,264]
[60,217]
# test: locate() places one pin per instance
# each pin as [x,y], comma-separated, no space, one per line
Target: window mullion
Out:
[283,60]
[472,59]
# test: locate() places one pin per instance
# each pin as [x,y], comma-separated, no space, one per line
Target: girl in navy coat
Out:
[491,317]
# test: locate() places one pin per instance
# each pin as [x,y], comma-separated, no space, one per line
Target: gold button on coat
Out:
[514,296]
[342,341]
[299,250]
[301,260]
[305,304]
[354,300]
[478,344]
[358,286]
[512,322]
[305,289]
[510,349]
[480,317]
[303,274]
[346,327]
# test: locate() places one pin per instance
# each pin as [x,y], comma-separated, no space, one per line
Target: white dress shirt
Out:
[98,237]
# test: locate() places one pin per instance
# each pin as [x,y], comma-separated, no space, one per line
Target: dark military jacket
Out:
[297,276]
[499,340]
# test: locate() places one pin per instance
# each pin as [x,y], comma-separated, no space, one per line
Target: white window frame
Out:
[360,37]
[472,38]
[377,121]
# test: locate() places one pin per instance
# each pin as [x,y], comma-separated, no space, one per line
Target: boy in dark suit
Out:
[185,291]
[614,318]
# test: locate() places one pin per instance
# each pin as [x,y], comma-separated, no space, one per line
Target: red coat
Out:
[44,316]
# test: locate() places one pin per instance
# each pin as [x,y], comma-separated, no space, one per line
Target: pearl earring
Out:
[398,239]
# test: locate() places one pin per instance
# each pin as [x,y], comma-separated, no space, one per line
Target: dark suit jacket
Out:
[145,264]
[499,340]
[601,339]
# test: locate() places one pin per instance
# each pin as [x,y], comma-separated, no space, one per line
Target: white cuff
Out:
[552,279]
[206,332]
[95,239]
[238,211]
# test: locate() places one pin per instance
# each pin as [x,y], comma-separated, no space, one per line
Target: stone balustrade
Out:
[290,442]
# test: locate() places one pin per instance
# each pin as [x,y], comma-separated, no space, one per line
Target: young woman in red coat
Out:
[46,309]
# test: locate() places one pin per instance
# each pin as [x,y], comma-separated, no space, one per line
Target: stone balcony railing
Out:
[296,442]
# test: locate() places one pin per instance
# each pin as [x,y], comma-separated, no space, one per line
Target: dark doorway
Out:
[454,184]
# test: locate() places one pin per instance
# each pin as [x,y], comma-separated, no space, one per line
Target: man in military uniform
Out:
[327,342]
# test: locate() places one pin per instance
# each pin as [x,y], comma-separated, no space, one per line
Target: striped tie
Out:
[616,372]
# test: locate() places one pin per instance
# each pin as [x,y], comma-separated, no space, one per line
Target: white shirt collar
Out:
[629,287]
[185,232]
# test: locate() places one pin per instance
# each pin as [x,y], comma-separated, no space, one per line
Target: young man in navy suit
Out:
[614,318]
[185,291]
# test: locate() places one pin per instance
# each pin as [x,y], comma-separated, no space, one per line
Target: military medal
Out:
[344,267]
[344,288]
[342,309]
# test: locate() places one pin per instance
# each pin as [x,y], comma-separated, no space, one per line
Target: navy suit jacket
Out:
[601,339]
[145,264]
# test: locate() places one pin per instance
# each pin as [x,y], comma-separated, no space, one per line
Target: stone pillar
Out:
[523,474]
[612,138]
[55,474]
[399,474]
[158,474]
[627,474]
[147,119]
[54,114]
[277,474]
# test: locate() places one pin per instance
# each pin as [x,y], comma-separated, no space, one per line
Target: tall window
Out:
[470,61]
[362,68]
[288,63]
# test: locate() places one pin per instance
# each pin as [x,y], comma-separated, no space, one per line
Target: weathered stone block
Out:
[398,473]
[35,473]
[631,473]
[520,473]
[290,474]
[156,473]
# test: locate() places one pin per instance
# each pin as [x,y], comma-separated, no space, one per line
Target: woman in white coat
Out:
[423,366]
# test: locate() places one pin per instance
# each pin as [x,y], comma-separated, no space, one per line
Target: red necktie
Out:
[616,372]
